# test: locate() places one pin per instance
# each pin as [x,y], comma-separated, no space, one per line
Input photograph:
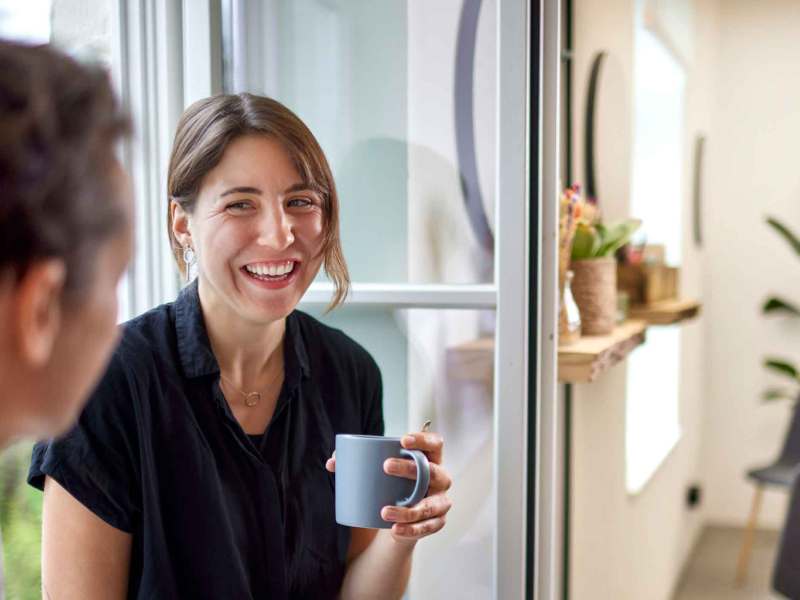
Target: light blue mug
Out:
[363,488]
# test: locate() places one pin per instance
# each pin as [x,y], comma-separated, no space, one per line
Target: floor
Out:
[709,573]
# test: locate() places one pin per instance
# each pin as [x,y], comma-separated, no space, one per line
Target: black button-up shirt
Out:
[213,512]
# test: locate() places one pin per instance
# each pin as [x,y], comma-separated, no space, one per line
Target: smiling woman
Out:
[254,230]
[200,466]
[264,130]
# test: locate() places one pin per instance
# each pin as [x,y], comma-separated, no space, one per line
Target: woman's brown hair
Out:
[204,132]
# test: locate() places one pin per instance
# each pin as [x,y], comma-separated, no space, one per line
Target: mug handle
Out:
[423,477]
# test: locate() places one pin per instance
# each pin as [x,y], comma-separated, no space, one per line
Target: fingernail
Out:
[389,514]
[409,439]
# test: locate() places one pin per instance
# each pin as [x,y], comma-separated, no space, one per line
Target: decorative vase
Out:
[595,290]
[569,316]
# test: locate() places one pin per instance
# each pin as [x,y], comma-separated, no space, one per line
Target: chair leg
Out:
[747,541]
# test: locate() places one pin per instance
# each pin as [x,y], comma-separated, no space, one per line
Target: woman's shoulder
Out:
[147,336]
[333,344]
[145,348]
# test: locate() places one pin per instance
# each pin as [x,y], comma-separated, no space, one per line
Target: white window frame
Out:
[508,295]
[148,73]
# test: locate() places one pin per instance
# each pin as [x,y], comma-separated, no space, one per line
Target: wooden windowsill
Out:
[665,312]
[584,360]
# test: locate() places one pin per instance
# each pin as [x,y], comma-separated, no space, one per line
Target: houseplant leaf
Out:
[773,305]
[585,243]
[614,236]
[778,394]
[785,233]
[782,367]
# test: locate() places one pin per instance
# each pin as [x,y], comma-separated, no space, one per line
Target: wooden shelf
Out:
[665,312]
[581,362]
[584,360]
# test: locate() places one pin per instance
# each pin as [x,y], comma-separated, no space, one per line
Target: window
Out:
[652,421]
[404,100]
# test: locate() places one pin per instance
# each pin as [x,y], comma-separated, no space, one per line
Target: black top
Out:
[157,453]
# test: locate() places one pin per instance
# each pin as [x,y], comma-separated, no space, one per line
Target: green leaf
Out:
[773,305]
[614,236]
[585,243]
[785,233]
[782,367]
[771,394]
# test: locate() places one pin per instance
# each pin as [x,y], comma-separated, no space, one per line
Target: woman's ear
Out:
[36,307]
[180,224]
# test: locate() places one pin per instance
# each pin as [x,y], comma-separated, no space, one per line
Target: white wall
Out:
[753,166]
[623,546]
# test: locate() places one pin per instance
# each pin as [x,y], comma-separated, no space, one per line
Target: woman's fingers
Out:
[418,530]
[330,464]
[430,443]
[429,508]
[399,467]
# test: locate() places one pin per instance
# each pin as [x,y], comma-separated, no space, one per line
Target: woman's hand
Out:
[428,516]
[413,523]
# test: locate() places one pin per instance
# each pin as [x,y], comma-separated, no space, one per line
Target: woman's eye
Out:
[238,205]
[300,202]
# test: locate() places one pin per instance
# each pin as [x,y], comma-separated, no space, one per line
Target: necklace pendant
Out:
[252,399]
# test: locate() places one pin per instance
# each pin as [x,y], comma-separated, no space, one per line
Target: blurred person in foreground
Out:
[65,236]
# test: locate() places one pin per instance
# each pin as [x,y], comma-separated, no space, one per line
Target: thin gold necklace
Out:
[251,399]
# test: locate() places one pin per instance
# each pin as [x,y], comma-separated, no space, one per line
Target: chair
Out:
[786,573]
[781,473]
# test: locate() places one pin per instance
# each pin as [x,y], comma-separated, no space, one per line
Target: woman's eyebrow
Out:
[297,187]
[241,190]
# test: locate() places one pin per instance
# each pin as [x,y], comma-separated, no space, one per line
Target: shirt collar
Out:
[194,348]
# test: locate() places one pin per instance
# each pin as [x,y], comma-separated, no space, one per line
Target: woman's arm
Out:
[379,563]
[381,569]
[83,557]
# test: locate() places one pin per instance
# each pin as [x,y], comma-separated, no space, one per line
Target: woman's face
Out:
[257,231]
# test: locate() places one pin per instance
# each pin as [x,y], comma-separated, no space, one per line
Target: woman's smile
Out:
[272,275]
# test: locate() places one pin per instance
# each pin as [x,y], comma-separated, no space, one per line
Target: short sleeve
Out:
[97,460]
[373,395]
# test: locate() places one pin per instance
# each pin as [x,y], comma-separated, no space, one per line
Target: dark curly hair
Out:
[59,123]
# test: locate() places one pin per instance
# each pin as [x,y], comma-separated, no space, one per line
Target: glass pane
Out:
[438,365]
[652,419]
[376,82]
[27,22]
[658,152]
[653,426]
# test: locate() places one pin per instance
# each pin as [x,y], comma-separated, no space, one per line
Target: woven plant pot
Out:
[595,290]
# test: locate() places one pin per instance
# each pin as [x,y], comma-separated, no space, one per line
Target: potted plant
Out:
[594,285]
[777,305]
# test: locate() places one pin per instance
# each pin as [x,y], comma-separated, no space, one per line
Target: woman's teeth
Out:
[274,270]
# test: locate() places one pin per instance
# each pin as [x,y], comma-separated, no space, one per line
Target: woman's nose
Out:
[276,230]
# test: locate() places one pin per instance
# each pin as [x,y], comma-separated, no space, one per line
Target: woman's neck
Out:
[246,352]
